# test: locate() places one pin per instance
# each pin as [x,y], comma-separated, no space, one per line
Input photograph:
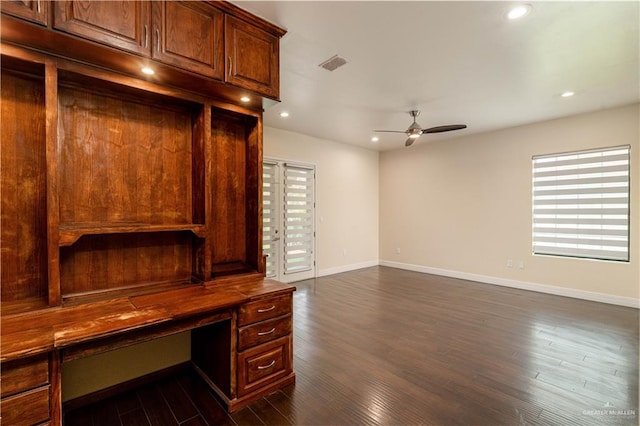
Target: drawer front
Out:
[26,408]
[261,310]
[258,366]
[24,374]
[263,332]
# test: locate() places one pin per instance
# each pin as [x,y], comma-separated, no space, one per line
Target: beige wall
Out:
[346,197]
[464,205]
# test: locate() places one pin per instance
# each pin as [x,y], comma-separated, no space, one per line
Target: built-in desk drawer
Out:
[261,310]
[24,374]
[264,331]
[263,364]
[26,408]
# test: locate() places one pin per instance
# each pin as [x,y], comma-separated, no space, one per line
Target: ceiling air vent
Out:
[333,63]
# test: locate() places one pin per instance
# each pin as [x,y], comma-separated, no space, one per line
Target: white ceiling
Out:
[457,62]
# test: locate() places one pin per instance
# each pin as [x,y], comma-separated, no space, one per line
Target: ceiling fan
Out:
[415,130]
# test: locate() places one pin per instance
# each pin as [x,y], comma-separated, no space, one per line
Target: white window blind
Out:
[269,216]
[298,217]
[581,204]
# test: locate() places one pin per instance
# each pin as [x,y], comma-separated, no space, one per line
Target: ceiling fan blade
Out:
[440,129]
[389,131]
[409,141]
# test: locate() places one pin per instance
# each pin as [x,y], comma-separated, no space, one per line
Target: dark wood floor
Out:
[386,346]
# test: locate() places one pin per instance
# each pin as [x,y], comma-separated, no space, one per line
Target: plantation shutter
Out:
[298,218]
[581,204]
[269,216]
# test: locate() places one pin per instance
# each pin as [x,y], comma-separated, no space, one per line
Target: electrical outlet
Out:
[344,251]
[509,263]
[397,250]
[521,264]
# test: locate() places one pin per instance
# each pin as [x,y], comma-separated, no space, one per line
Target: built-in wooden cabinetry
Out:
[252,57]
[23,182]
[264,342]
[263,357]
[131,205]
[186,34]
[189,35]
[126,25]
[32,10]
[212,39]
[25,391]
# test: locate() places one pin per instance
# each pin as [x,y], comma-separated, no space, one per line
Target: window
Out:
[581,204]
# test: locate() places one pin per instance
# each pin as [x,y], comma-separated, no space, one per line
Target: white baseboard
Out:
[346,268]
[541,288]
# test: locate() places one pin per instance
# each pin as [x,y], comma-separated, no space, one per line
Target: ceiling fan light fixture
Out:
[415,135]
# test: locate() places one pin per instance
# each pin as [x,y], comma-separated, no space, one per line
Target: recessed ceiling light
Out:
[518,12]
[375,139]
[284,114]
[567,94]
[245,99]
[147,70]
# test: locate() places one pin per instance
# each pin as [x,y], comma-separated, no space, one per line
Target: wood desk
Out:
[241,344]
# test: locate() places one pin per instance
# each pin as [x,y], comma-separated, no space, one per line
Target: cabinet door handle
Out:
[264,333]
[262,311]
[264,367]
[38,6]
[157,40]
[146,36]
[230,65]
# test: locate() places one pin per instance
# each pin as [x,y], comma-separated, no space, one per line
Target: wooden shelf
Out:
[70,234]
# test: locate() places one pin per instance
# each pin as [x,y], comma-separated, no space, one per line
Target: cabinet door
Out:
[121,24]
[253,57]
[188,35]
[34,11]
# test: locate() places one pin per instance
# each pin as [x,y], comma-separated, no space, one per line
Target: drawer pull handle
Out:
[262,311]
[264,367]
[264,333]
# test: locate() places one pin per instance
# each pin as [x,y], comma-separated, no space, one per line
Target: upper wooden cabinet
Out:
[122,24]
[216,40]
[253,57]
[189,35]
[34,11]
[185,34]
